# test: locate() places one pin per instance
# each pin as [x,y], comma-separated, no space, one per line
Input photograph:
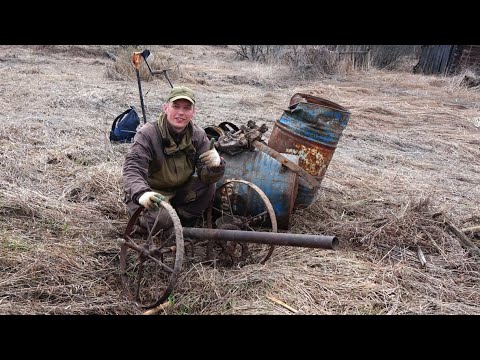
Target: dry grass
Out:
[410,151]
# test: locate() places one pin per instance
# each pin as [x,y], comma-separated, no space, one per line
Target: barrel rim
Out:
[311,99]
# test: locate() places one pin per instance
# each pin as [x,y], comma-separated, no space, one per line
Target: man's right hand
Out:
[151,199]
[211,158]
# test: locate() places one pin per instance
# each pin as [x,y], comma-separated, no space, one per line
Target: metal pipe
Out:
[269,238]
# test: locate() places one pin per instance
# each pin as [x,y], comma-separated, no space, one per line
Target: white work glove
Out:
[151,199]
[210,158]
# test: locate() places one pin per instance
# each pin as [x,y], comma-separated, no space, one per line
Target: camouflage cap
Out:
[181,92]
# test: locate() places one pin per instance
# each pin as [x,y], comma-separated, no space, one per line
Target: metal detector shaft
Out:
[136,56]
[141,96]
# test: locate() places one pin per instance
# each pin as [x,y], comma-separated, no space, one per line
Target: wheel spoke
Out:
[165,267]
[139,281]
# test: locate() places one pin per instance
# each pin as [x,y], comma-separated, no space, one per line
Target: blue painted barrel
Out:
[310,128]
[278,183]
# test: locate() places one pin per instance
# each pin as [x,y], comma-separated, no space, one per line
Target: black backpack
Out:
[124,126]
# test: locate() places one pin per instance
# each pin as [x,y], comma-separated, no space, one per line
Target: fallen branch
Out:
[158,308]
[461,236]
[280,302]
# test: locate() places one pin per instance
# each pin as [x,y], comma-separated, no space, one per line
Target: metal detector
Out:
[136,59]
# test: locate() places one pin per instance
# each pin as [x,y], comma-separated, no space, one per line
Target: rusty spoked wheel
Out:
[150,264]
[240,205]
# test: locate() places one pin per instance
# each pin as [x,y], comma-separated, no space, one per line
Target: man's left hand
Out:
[210,158]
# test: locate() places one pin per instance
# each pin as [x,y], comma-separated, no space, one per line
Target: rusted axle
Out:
[269,238]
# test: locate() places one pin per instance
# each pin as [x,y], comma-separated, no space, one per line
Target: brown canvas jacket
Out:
[155,163]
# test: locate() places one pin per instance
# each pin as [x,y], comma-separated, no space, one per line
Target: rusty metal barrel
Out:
[279,184]
[310,128]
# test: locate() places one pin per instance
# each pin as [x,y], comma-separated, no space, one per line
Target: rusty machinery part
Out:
[213,132]
[228,212]
[216,131]
[233,140]
[150,264]
[228,126]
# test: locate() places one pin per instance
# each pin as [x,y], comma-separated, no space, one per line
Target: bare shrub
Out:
[306,61]
[311,60]
[252,52]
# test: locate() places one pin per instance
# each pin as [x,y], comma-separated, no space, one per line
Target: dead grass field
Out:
[410,152]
